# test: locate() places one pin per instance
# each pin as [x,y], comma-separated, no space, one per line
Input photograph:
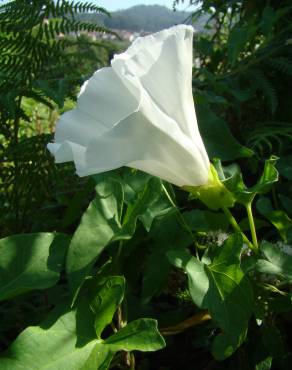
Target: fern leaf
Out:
[281,64]
[265,86]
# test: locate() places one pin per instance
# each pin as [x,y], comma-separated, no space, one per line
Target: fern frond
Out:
[29,36]
[269,137]
[281,64]
[265,86]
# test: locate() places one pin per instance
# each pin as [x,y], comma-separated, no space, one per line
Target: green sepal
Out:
[213,194]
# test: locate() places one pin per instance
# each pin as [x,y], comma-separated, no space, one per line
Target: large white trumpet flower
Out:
[138,113]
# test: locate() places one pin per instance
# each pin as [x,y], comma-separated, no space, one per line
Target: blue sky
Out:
[112,5]
[123,4]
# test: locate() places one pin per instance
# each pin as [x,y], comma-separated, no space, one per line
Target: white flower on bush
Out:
[138,113]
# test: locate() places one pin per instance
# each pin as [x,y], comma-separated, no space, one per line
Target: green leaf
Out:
[265,364]
[259,224]
[134,183]
[286,203]
[264,205]
[53,345]
[278,218]
[66,340]
[237,40]
[144,193]
[269,18]
[269,177]
[224,344]
[273,341]
[217,137]
[75,207]
[30,261]
[98,226]
[234,182]
[284,166]
[141,335]
[223,289]
[166,234]
[141,207]
[99,359]
[155,278]
[106,302]
[277,261]
[101,224]
[199,220]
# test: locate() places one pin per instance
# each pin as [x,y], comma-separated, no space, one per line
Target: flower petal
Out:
[150,141]
[138,113]
[103,101]
[163,64]
[68,151]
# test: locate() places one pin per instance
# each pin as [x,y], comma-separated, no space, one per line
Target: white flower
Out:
[138,113]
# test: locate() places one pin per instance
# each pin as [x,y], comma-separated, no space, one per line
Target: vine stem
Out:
[252,227]
[181,218]
[195,320]
[237,228]
[132,361]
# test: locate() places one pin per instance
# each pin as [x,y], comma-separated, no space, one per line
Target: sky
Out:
[112,5]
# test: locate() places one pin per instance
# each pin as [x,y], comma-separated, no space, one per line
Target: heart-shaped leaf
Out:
[276,263]
[30,261]
[106,301]
[234,182]
[223,289]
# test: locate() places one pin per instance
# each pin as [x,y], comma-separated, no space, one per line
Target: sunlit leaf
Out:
[223,289]
[106,301]
[141,335]
[30,261]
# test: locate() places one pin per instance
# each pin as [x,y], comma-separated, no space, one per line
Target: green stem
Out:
[132,361]
[237,228]
[252,226]
[117,258]
[180,217]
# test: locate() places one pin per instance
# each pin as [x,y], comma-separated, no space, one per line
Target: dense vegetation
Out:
[111,256]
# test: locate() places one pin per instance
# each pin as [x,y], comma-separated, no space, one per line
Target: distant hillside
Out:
[149,18]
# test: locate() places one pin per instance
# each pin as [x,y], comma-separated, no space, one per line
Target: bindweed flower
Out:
[138,113]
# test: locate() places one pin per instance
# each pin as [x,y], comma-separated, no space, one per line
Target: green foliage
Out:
[98,226]
[40,67]
[244,72]
[99,263]
[219,141]
[269,137]
[232,179]
[222,288]
[132,225]
[104,223]
[56,345]
[29,32]
[285,167]
[139,335]
[30,261]
[33,45]
[275,263]
[36,190]
[278,218]
[106,301]
[66,339]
